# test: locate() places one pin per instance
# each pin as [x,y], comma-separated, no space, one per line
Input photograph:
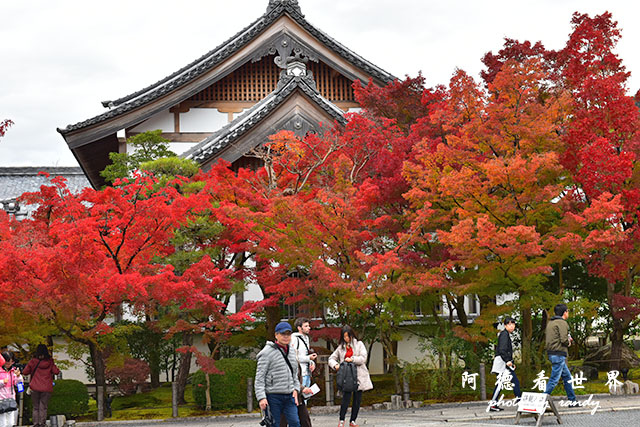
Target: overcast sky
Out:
[59,59]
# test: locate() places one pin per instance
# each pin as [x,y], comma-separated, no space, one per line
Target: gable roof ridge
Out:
[284,4]
[272,13]
[223,51]
[191,65]
[345,52]
[287,84]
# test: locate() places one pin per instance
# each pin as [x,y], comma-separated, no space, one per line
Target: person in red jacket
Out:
[42,369]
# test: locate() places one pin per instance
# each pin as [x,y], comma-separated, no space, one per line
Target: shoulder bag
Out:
[28,392]
[9,404]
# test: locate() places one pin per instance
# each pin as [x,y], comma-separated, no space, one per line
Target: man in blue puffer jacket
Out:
[277,382]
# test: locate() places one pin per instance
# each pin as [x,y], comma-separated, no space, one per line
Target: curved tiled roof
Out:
[232,131]
[14,181]
[222,52]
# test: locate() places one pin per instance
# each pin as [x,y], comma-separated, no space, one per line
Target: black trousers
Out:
[516,386]
[346,399]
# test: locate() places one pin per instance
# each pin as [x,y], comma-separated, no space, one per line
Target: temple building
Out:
[280,72]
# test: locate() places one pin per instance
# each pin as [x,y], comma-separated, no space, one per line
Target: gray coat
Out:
[273,374]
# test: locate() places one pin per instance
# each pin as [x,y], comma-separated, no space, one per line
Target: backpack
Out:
[347,377]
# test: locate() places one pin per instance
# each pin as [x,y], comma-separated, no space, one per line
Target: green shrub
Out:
[69,398]
[228,390]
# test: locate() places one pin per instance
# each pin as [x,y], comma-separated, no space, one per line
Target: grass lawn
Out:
[150,405]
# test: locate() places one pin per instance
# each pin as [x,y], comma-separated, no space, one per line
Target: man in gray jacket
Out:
[277,382]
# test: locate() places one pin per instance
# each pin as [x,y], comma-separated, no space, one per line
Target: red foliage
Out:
[403,101]
[128,376]
[602,151]
[4,125]
[512,50]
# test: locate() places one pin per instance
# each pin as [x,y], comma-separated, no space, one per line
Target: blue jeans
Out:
[284,404]
[559,369]
[306,381]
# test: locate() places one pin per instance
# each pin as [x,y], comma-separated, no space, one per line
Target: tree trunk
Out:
[617,332]
[207,393]
[396,372]
[154,361]
[154,374]
[458,303]
[185,367]
[527,337]
[97,360]
[560,280]
[617,342]
[273,316]
[543,342]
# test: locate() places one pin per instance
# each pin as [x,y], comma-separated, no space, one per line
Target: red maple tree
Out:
[80,257]
[602,152]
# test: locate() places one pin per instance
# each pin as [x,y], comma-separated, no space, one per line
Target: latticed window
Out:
[293,311]
[255,80]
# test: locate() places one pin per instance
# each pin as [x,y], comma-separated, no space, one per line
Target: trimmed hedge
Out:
[69,398]
[228,390]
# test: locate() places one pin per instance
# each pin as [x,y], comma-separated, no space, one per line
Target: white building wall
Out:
[202,120]
[76,368]
[181,147]
[252,293]
[376,359]
[162,120]
[408,349]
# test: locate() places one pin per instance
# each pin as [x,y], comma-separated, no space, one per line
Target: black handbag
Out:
[8,405]
[347,377]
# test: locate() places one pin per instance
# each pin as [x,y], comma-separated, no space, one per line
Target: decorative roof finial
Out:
[273,4]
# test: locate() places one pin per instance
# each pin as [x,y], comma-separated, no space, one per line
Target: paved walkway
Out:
[612,411]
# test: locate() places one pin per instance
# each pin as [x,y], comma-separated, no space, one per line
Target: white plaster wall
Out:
[408,349]
[202,120]
[376,361]
[76,371]
[181,147]
[162,120]
[354,110]
[252,293]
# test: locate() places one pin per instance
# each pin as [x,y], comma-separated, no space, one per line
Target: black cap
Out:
[508,320]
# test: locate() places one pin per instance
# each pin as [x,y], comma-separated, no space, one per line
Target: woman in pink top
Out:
[9,377]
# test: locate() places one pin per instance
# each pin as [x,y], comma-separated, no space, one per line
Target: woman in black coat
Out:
[503,363]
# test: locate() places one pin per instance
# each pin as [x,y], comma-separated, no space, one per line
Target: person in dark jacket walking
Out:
[276,381]
[42,369]
[557,345]
[503,363]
